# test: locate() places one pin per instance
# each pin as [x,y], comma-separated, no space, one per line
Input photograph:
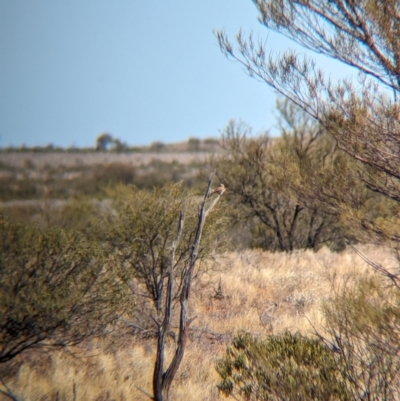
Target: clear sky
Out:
[143,71]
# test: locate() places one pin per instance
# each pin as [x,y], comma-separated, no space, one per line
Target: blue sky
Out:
[142,71]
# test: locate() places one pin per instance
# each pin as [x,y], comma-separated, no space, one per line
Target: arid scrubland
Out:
[128,236]
[79,159]
[256,291]
[59,175]
[129,216]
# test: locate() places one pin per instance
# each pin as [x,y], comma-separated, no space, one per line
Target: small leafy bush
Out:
[56,288]
[281,367]
[363,323]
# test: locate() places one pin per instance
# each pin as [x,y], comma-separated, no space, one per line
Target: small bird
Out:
[219,191]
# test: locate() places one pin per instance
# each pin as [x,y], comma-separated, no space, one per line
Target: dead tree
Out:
[163,376]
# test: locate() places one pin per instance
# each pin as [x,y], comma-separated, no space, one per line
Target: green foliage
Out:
[142,227]
[158,173]
[114,173]
[319,175]
[81,214]
[193,144]
[363,320]
[59,182]
[103,141]
[157,146]
[263,190]
[56,288]
[361,116]
[359,359]
[287,367]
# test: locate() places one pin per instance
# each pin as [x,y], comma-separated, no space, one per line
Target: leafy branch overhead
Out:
[364,118]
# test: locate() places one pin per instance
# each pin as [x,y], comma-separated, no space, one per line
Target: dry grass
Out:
[260,292]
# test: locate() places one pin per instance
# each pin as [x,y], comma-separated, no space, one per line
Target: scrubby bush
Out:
[285,367]
[261,188]
[142,227]
[56,288]
[356,358]
[193,144]
[363,324]
[157,146]
[360,115]
[161,237]
[114,173]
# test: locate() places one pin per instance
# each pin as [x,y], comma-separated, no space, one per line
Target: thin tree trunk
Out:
[164,327]
[162,380]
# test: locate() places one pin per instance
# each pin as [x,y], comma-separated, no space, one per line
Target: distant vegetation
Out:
[38,173]
[107,143]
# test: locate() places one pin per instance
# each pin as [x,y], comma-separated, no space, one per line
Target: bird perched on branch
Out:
[219,191]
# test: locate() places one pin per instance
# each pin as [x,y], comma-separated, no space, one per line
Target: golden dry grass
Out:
[262,293]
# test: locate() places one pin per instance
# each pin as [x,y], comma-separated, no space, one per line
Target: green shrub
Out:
[56,288]
[287,367]
[114,173]
[358,358]
[363,323]
[260,184]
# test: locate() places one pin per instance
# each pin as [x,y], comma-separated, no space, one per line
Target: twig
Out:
[74,391]
[8,393]
[333,347]
[145,393]
[376,266]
